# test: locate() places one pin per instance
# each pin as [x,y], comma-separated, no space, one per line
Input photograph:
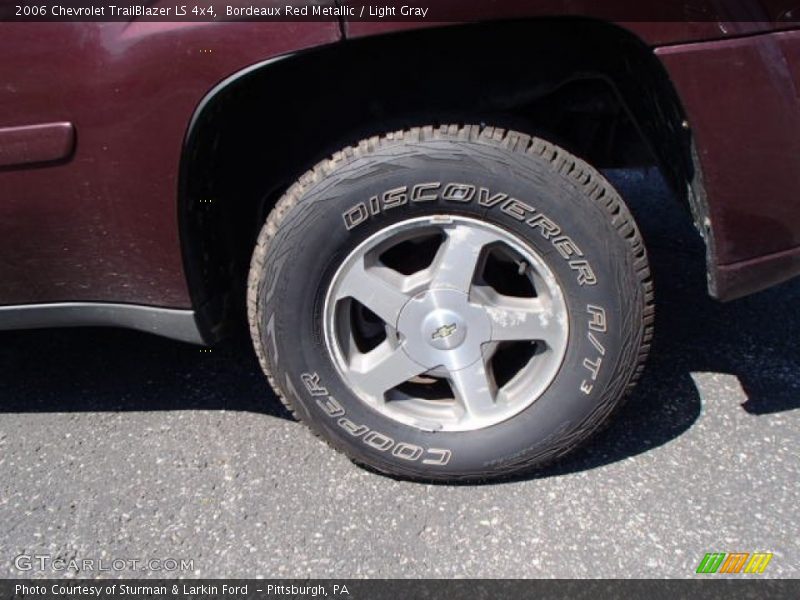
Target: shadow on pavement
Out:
[73,370]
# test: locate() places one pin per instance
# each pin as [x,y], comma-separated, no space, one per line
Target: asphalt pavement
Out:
[117,445]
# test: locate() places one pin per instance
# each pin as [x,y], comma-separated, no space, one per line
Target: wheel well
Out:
[589,86]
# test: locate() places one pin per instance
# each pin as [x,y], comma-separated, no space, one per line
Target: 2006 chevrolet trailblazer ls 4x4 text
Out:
[438,279]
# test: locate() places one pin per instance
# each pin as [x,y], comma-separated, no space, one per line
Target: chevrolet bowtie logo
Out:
[444,331]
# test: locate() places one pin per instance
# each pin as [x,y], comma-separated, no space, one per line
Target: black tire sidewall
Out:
[313,241]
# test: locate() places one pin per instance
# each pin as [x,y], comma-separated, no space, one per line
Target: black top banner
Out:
[782,12]
[349,589]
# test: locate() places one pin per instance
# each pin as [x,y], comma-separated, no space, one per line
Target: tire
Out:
[365,261]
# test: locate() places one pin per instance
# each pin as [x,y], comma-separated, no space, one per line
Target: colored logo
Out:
[736,562]
[444,331]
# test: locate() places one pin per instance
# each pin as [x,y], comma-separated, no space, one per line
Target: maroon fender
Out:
[104,226]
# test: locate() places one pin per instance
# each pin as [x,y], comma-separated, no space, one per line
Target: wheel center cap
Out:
[441,328]
[444,328]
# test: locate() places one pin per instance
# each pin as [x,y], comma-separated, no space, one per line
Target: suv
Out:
[438,279]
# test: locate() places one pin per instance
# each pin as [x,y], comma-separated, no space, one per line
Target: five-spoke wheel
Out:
[446,323]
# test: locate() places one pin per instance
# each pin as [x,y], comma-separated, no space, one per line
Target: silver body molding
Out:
[167,322]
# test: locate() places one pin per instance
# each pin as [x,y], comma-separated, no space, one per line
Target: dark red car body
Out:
[102,134]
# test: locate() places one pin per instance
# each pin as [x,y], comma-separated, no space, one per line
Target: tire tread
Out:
[579,173]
